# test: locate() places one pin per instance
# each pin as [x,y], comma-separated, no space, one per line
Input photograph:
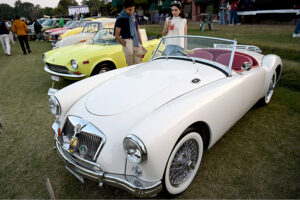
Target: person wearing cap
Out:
[127,33]
[176,24]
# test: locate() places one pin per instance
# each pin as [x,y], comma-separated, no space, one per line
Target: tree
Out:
[6,11]
[49,11]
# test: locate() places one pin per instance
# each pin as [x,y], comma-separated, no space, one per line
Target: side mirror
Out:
[246,66]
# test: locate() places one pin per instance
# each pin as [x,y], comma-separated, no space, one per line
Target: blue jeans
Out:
[234,17]
[297,29]
[173,50]
[223,16]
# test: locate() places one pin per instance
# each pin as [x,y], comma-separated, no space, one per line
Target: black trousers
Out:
[22,39]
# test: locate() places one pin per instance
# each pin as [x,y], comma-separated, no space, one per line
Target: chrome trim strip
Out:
[129,183]
[64,75]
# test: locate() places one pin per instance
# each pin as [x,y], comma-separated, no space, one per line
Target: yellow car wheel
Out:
[102,67]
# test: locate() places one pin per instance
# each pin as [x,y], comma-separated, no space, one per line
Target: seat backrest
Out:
[237,63]
[202,54]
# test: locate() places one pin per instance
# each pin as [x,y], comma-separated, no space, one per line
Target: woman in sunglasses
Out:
[175,25]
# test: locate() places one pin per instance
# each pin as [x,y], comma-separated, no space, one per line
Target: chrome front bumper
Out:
[63,75]
[93,172]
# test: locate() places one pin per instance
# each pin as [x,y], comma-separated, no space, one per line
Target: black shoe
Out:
[29,51]
[24,53]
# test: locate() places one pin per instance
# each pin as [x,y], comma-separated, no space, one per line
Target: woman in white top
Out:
[175,25]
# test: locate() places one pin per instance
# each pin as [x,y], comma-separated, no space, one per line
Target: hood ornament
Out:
[74,140]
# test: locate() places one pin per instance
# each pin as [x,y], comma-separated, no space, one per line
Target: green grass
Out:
[257,158]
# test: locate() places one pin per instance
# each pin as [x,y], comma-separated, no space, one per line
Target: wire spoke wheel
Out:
[183,163]
[270,89]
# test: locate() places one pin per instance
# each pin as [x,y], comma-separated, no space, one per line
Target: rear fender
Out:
[270,63]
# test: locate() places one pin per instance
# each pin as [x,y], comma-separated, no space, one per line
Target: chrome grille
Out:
[89,136]
[91,141]
[58,68]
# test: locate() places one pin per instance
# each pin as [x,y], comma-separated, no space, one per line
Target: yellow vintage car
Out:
[79,29]
[102,54]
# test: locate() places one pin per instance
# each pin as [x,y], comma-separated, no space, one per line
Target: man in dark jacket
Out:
[37,29]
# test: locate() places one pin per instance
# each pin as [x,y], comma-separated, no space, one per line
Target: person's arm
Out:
[139,35]
[14,28]
[118,38]
[166,27]
[25,27]
[185,33]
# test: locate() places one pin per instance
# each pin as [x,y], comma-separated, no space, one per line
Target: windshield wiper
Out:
[163,53]
[187,55]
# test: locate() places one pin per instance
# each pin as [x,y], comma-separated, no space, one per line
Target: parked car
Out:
[50,24]
[80,27]
[55,34]
[144,127]
[88,32]
[67,24]
[102,54]
[31,32]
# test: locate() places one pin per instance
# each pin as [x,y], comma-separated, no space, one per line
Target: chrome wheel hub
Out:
[184,162]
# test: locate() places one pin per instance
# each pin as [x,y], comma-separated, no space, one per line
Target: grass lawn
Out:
[258,158]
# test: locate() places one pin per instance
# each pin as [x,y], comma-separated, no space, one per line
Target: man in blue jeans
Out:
[297,29]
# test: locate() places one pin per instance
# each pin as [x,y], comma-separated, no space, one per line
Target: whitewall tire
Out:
[183,163]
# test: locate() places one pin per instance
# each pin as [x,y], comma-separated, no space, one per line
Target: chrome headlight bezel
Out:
[54,105]
[74,64]
[135,149]
[44,57]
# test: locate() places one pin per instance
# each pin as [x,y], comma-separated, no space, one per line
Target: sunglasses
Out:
[176,3]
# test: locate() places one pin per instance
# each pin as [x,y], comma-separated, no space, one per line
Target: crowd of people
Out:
[229,8]
[127,28]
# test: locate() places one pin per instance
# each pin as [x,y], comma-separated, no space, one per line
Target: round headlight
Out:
[74,64]
[54,105]
[44,57]
[135,149]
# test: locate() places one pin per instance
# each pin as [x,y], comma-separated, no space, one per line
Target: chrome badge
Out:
[83,150]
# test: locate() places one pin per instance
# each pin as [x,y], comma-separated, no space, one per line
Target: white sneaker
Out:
[296,35]
[37,40]
[238,24]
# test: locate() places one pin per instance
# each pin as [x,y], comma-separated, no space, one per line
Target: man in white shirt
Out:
[4,36]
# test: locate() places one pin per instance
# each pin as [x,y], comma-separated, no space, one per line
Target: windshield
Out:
[216,51]
[105,36]
[74,25]
[82,23]
[40,21]
[48,22]
[68,23]
[91,27]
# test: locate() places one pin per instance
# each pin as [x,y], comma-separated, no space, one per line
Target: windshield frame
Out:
[223,68]
[104,43]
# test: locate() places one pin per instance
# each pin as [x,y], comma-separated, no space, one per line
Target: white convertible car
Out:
[143,128]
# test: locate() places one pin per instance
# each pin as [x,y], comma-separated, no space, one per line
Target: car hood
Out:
[62,56]
[148,85]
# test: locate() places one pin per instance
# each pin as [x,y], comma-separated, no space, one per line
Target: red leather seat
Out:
[238,60]
[202,54]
